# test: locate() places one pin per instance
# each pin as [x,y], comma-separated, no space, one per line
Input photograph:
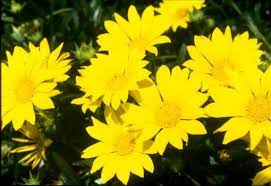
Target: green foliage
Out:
[77,23]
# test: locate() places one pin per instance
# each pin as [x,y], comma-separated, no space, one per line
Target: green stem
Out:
[60,11]
[236,8]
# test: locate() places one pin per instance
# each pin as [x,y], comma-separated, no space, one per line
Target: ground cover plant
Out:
[172,92]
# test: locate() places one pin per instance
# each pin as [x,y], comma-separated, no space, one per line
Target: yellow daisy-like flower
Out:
[176,12]
[36,146]
[24,84]
[137,35]
[169,110]
[119,151]
[110,78]
[264,152]
[248,104]
[56,65]
[213,60]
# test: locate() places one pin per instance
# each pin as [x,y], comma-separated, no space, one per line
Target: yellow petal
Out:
[263,177]
[29,113]
[22,140]
[97,149]
[6,118]
[27,157]
[134,19]
[24,149]
[123,173]
[153,50]
[161,141]
[44,47]
[45,87]
[108,172]
[136,167]
[194,127]
[98,163]
[176,142]
[146,162]
[54,55]
[115,101]
[235,128]
[161,40]
[36,161]
[100,131]
[163,80]
[256,135]
[43,101]
[107,99]
[18,118]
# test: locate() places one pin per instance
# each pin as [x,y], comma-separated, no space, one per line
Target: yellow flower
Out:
[248,104]
[110,78]
[56,65]
[137,35]
[264,152]
[169,110]
[176,12]
[24,84]
[213,60]
[119,151]
[36,146]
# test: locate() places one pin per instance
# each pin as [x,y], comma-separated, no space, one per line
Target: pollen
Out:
[25,90]
[168,115]
[125,143]
[259,109]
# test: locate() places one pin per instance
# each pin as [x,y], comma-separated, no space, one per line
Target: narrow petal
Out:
[163,80]
[256,135]
[98,163]
[108,172]
[146,162]
[123,173]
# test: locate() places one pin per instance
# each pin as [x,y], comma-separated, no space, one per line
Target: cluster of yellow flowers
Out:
[222,68]
[166,111]
[29,80]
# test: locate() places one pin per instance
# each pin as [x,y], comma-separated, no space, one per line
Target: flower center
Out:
[259,109]
[139,43]
[168,115]
[220,73]
[25,90]
[116,82]
[125,143]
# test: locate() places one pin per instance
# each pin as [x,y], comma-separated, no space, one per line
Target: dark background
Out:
[77,23]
